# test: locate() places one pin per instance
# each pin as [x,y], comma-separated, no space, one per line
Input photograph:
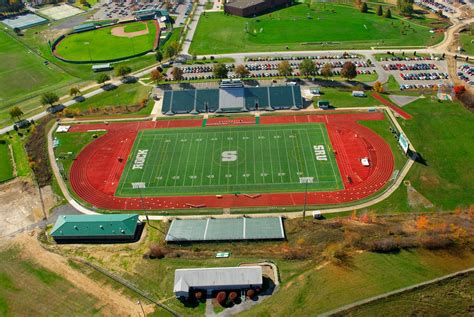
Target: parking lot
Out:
[416,72]
[123,9]
[465,72]
[266,67]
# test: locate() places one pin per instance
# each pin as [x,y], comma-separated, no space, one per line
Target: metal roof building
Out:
[73,228]
[232,229]
[219,278]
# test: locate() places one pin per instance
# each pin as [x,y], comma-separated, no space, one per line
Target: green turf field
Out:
[303,28]
[102,45]
[220,160]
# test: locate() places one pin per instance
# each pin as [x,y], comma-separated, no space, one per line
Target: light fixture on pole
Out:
[140,186]
[306,181]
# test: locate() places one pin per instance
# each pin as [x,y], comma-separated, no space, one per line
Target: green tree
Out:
[102,78]
[159,56]
[380,11]
[307,67]
[364,8]
[349,70]
[74,91]
[123,71]
[172,49]
[241,71]
[405,7]
[156,76]
[49,98]
[326,71]
[177,74]
[220,71]
[284,68]
[15,113]
[388,14]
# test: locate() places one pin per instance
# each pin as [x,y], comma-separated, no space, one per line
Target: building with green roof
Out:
[88,228]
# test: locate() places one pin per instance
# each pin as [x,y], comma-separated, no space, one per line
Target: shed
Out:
[216,279]
[323,104]
[114,227]
[358,93]
[102,67]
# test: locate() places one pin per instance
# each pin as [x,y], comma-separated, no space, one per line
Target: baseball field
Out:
[108,43]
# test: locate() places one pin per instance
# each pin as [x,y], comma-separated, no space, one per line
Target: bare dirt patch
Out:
[120,32]
[415,199]
[114,303]
[21,205]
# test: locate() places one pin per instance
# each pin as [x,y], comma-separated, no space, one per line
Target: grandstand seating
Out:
[230,99]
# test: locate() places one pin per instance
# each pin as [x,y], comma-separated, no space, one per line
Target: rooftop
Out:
[215,277]
[95,225]
[241,4]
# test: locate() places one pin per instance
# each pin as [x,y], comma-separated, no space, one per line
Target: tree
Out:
[123,71]
[422,223]
[221,297]
[405,7]
[49,98]
[220,70]
[102,78]
[172,49]
[74,91]
[388,14]
[358,3]
[349,70]
[307,67]
[364,8]
[177,74]
[250,293]
[241,71]
[284,69]
[378,87]
[16,112]
[326,71]
[159,56]
[156,76]
[380,11]
[17,31]
[232,296]
[156,252]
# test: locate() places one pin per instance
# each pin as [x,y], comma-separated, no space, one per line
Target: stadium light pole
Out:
[139,186]
[306,181]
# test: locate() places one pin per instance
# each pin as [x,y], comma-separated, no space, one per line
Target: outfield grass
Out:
[134,27]
[6,167]
[305,28]
[466,43]
[259,159]
[100,44]
[27,289]
[452,297]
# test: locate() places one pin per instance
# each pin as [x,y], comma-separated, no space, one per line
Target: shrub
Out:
[156,252]
[250,293]
[198,295]
[221,297]
[436,243]
[232,296]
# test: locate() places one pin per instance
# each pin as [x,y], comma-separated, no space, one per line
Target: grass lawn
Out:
[466,43]
[442,132]
[219,160]
[22,73]
[306,29]
[6,167]
[19,154]
[102,45]
[453,297]
[123,95]
[27,289]
[340,98]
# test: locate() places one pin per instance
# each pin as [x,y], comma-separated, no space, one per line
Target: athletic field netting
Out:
[230,160]
[232,229]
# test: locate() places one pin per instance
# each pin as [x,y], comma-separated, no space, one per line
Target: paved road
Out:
[192,28]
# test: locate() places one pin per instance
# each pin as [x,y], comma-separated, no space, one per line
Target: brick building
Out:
[249,8]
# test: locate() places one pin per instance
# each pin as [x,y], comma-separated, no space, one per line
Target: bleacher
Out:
[232,99]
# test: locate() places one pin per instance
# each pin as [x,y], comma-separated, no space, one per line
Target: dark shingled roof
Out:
[244,3]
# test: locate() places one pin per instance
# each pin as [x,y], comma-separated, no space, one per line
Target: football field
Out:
[230,160]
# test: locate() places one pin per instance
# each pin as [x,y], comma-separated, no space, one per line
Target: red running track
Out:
[392,106]
[96,172]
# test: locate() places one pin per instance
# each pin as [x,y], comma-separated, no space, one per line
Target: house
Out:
[216,279]
[96,228]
